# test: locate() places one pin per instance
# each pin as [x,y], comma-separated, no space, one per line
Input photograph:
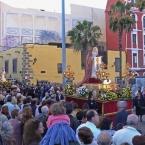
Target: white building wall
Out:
[26,25]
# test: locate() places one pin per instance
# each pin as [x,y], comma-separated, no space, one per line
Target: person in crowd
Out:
[33,105]
[86,136]
[138,140]
[3,118]
[104,138]
[14,90]
[81,116]
[33,130]
[26,102]
[59,96]
[47,96]
[1,100]
[143,93]
[52,93]
[106,124]
[14,102]
[6,133]
[16,124]
[26,115]
[74,123]
[38,109]
[20,99]
[92,123]
[92,102]
[58,112]
[59,131]
[9,104]
[75,109]
[121,116]
[42,117]
[128,132]
[139,104]
[5,111]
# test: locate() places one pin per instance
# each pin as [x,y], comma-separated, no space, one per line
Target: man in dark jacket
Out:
[74,123]
[59,96]
[121,116]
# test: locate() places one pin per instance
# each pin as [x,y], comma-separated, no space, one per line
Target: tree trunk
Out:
[120,52]
[83,58]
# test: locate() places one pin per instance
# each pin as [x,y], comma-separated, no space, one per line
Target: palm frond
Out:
[84,34]
[120,17]
[140,4]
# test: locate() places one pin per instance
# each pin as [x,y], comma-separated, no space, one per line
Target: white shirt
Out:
[125,135]
[96,131]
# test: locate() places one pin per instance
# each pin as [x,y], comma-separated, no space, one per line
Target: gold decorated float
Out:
[106,92]
[4,84]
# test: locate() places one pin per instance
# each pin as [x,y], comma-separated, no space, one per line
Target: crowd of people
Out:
[39,115]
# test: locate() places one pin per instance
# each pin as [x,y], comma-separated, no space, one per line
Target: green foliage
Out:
[120,17]
[84,35]
[140,4]
[106,95]
[126,93]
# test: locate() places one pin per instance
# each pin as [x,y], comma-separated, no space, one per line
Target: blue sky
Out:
[54,5]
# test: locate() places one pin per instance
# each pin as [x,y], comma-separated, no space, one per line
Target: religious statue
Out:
[3,78]
[88,65]
[94,64]
[91,65]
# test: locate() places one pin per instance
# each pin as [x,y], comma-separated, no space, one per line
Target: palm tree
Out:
[140,4]
[120,21]
[84,36]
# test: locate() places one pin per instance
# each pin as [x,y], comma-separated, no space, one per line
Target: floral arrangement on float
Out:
[69,89]
[82,91]
[3,82]
[124,93]
[108,95]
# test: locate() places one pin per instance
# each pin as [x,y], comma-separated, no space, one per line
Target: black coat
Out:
[140,105]
[59,98]
[74,123]
[121,118]
[92,104]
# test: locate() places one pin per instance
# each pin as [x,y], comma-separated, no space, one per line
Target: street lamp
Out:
[63,40]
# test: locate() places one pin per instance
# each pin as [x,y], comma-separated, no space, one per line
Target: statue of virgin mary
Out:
[3,79]
[97,61]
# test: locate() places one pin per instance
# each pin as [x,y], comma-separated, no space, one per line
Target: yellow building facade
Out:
[9,59]
[112,55]
[39,62]
[43,62]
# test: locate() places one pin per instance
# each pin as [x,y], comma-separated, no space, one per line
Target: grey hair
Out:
[122,104]
[104,138]
[6,130]
[132,119]
[45,109]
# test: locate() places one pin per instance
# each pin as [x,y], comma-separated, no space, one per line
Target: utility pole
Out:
[63,41]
